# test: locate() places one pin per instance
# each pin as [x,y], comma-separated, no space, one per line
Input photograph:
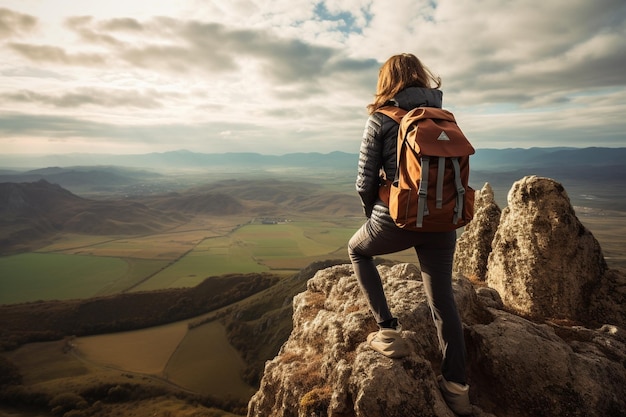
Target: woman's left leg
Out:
[374,239]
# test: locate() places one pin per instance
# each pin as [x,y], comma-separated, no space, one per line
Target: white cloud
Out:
[295,75]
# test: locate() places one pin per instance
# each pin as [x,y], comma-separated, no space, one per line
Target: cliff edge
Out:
[549,360]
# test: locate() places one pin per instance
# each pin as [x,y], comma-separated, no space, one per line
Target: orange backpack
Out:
[430,191]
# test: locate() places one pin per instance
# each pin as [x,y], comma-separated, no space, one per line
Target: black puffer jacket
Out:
[378,149]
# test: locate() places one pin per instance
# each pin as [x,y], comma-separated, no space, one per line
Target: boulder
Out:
[474,244]
[544,263]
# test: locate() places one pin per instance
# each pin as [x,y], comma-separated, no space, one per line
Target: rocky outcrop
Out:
[544,263]
[474,245]
[324,367]
[517,367]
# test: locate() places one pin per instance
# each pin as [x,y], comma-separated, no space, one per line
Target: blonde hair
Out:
[399,72]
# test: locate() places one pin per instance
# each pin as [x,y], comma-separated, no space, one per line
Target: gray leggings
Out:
[435,252]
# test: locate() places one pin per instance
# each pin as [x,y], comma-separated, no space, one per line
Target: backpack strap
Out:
[441,166]
[396,113]
[460,191]
[422,207]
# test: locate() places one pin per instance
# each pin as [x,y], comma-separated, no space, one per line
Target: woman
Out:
[404,82]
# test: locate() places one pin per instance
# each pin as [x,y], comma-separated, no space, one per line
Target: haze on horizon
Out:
[283,76]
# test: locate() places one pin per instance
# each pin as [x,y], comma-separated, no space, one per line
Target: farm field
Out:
[77,266]
[199,359]
[169,245]
[281,248]
[610,231]
[38,276]
[43,362]
[145,351]
[50,367]
[205,362]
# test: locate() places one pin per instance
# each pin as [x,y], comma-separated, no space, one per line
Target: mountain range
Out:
[485,159]
[142,193]
[141,174]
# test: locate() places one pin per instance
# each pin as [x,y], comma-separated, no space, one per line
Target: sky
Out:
[283,76]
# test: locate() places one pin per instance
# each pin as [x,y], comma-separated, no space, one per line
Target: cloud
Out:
[57,55]
[32,72]
[178,46]
[297,75]
[81,24]
[216,48]
[216,136]
[14,23]
[88,96]
[71,128]
[521,53]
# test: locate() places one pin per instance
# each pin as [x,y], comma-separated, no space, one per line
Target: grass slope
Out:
[49,320]
[56,382]
[216,359]
[35,276]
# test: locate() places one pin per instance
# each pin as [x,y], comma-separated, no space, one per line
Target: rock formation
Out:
[516,367]
[474,245]
[544,262]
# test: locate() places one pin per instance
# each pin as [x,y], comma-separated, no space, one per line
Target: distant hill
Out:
[217,203]
[115,170]
[589,165]
[85,178]
[36,210]
[182,159]
[32,212]
[257,198]
[516,158]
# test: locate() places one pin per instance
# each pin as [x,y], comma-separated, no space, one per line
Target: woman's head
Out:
[399,72]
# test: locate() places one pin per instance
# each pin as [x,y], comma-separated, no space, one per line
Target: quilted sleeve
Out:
[370,162]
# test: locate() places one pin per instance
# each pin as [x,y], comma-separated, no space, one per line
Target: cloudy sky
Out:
[281,76]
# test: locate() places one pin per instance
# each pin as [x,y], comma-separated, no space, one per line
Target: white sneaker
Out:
[388,342]
[456,396]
